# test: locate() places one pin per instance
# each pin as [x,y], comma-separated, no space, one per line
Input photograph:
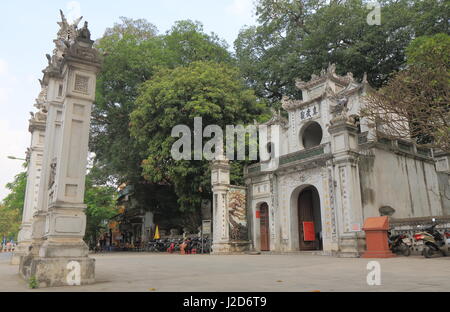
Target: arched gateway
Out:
[264,226]
[309,219]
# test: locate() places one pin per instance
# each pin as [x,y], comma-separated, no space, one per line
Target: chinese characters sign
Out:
[309,112]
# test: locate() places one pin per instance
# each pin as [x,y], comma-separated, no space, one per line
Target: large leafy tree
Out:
[101,206]
[9,222]
[296,38]
[173,97]
[415,101]
[133,54]
[16,197]
[11,207]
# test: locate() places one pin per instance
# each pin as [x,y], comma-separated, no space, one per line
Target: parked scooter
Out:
[433,242]
[399,244]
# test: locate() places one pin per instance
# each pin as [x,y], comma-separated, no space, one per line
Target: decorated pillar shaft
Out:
[34,159]
[344,142]
[220,180]
[54,107]
[66,220]
[230,231]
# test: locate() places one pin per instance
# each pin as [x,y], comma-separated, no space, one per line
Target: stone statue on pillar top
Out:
[66,36]
[84,32]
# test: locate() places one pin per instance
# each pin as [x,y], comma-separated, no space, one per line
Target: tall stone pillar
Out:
[344,143]
[220,180]
[230,230]
[34,159]
[59,256]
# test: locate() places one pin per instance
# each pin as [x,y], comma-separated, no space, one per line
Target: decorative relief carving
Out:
[332,201]
[237,214]
[224,225]
[51,179]
[344,198]
[81,84]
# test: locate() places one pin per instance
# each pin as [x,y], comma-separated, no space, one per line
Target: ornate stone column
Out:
[59,255]
[34,158]
[230,230]
[220,181]
[344,144]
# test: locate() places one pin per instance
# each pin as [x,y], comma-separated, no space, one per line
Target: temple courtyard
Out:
[154,272]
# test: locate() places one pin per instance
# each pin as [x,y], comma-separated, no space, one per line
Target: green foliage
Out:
[429,51]
[11,207]
[139,30]
[131,59]
[186,42]
[133,56]
[295,39]
[101,206]
[33,283]
[209,90]
[15,199]
[418,96]
[9,222]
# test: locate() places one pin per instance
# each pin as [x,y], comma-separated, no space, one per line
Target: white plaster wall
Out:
[408,185]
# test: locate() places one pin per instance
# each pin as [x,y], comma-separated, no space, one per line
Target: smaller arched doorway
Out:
[309,219]
[264,226]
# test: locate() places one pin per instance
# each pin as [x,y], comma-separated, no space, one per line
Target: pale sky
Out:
[27,30]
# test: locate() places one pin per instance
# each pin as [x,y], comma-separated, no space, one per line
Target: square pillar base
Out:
[378,254]
[53,272]
[232,247]
[21,250]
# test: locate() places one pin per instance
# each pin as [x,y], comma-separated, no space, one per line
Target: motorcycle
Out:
[433,241]
[399,243]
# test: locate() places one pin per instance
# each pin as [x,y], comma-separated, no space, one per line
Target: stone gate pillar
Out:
[220,180]
[34,159]
[59,255]
[344,143]
[230,231]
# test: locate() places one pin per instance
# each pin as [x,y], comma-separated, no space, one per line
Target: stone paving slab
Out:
[145,272]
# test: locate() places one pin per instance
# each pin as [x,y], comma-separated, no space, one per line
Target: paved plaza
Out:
[153,272]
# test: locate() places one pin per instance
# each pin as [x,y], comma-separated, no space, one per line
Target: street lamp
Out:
[16,158]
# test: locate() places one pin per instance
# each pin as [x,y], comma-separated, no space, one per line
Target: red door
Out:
[264,226]
[305,214]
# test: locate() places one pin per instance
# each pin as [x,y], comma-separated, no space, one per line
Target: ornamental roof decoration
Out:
[330,73]
[66,35]
[66,42]
[42,97]
[277,119]
[347,83]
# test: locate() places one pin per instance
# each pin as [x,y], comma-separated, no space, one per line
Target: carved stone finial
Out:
[84,32]
[364,80]
[66,35]
[49,59]
[42,97]
[350,76]
[331,68]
